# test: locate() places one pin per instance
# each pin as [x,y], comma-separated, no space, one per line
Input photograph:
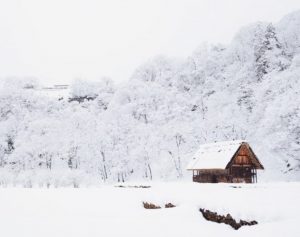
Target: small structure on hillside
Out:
[227,162]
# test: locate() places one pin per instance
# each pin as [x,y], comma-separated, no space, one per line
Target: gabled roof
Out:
[214,155]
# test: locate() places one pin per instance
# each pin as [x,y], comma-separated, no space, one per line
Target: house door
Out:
[214,179]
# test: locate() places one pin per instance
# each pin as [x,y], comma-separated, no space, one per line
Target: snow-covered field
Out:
[113,211]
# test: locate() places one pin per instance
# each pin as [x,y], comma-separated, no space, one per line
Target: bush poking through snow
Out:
[213,216]
[150,205]
[169,205]
[133,186]
[236,186]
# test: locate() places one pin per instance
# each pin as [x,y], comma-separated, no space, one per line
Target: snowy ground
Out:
[112,211]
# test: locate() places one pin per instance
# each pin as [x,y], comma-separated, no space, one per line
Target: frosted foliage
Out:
[150,126]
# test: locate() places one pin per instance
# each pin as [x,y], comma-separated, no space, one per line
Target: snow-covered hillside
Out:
[148,127]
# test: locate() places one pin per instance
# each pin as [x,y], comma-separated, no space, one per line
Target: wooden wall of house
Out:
[242,168]
[212,176]
[234,175]
[243,174]
[243,157]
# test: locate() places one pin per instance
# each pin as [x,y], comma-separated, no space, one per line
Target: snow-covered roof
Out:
[214,155]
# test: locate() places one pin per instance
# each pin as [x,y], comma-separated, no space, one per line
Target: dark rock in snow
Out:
[169,205]
[150,205]
[228,219]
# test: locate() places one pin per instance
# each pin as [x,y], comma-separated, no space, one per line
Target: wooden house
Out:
[227,162]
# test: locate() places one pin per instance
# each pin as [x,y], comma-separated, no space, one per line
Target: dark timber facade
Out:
[242,168]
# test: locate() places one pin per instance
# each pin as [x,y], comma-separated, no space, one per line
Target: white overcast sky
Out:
[59,40]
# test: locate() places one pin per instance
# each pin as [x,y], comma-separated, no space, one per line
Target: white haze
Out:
[59,40]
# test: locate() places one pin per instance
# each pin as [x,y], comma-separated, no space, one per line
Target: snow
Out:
[150,126]
[112,211]
[214,155]
[56,91]
[94,133]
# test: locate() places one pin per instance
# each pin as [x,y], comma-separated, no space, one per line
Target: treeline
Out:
[148,127]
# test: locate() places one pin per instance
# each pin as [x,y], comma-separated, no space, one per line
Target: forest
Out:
[148,127]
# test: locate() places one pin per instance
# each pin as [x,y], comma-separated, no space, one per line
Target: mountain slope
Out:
[151,125]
